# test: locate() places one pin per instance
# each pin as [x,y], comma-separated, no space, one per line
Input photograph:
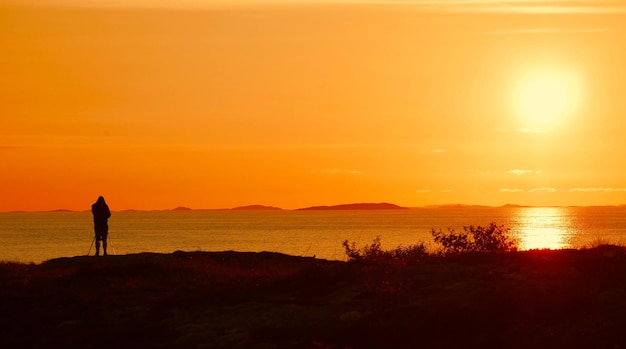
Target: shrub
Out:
[375,253]
[385,274]
[371,252]
[411,253]
[493,238]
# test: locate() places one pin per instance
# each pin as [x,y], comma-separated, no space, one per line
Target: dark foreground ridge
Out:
[535,299]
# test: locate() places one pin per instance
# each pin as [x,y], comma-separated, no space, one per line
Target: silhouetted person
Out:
[101,214]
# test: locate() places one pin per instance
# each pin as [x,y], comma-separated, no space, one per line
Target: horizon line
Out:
[275,208]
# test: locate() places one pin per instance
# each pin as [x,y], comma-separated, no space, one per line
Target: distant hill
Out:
[457,206]
[181,208]
[361,206]
[256,208]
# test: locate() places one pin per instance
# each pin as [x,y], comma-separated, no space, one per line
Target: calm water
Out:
[35,237]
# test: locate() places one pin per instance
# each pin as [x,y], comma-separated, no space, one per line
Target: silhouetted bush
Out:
[492,238]
[383,272]
[375,253]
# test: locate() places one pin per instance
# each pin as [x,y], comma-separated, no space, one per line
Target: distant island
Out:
[345,207]
[514,206]
[447,206]
[256,208]
[361,206]
[181,208]
[457,206]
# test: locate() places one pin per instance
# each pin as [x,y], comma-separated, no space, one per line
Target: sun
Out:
[545,97]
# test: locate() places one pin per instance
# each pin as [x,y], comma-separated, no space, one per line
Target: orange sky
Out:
[215,104]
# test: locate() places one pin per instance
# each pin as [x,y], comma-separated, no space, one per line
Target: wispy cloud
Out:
[511,190]
[463,6]
[520,6]
[572,190]
[310,146]
[528,130]
[424,191]
[519,172]
[556,31]
[519,130]
[341,171]
[479,172]
[10,147]
[595,190]
[438,151]
[542,190]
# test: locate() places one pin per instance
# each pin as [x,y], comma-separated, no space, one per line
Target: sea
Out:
[34,237]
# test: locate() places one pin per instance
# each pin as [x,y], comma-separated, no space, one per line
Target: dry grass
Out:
[598,240]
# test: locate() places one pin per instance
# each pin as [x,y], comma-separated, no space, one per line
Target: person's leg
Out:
[104,242]
[98,238]
[97,245]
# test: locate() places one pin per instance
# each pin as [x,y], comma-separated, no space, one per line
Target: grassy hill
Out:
[540,299]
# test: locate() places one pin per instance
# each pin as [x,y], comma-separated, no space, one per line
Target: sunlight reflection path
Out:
[543,227]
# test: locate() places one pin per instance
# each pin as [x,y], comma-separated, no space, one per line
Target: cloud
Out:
[595,190]
[10,147]
[458,6]
[528,130]
[572,190]
[340,171]
[522,6]
[546,31]
[438,151]
[520,130]
[422,191]
[542,9]
[519,172]
[542,190]
[477,172]
[500,129]
[511,190]
[445,190]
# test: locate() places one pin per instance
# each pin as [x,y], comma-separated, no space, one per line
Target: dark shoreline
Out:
[545,299]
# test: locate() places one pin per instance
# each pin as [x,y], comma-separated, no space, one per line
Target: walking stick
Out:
[92,241]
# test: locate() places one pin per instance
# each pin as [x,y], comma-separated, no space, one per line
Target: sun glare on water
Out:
[543,227]
[546,97]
